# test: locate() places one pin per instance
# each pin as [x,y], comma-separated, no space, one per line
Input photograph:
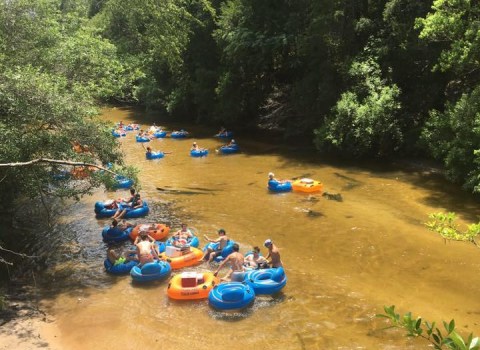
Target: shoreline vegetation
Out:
[392,81]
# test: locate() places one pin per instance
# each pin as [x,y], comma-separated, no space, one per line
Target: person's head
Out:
[256,250]
[233,141]
[184,226]
[222,232]
[271,175]
[268,243]
[132,191]
[149,148]
[114,222]
[236,247]
[143,235]
[194,144]
[137,196]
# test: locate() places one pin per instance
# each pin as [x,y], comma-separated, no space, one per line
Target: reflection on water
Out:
[344,259]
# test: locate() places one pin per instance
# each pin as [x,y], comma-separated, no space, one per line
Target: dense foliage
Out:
[359,79]
[53,67]
[386,78]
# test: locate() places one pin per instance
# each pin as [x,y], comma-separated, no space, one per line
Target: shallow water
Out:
[344,260]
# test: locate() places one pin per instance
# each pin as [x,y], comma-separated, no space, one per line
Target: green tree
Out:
[365,119]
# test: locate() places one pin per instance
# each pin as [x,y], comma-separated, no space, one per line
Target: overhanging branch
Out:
[54,161]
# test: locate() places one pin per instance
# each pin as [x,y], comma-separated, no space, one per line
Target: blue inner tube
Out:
[266,281]
[160,134]
[229,149]
[120,269]
[118,134]
[199,153]
[111,235]
[192,241]
[131,128]
[179,134]
[276,186]
[142,139]
[154,155]
[136,213]
[103,212]
[153,271]
[231,296]
[226,251]
[123,182]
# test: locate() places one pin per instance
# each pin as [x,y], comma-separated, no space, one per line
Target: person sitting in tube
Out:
[120,258]
[180,238]
[222,241]
[232,143]
[271,177]
[255,260]
[146,249]
[136,203]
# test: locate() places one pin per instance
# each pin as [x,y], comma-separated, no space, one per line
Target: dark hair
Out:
[256,249]
[221,231]
[114,222]
[132,190]
[235,247]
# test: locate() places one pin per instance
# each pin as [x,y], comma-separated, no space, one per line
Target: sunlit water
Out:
[344,260]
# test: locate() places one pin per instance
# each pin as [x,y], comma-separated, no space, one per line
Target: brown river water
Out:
[344,260]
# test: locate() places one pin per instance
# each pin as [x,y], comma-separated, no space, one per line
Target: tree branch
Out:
[54,161]
[19,254]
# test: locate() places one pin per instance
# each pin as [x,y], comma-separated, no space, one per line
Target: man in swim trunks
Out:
[180,238]
[117,259]
[222,241]
[273,254]
[135,204]
[146,251]
[236,263]
[255,260]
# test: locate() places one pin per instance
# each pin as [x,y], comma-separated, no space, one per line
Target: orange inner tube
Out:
[159,232]
[191,258]
[200,291]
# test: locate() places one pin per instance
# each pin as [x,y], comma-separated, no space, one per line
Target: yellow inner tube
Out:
[307,186]
[200,291]
[191,258]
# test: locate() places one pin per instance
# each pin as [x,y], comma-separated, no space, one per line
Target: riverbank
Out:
[25,325]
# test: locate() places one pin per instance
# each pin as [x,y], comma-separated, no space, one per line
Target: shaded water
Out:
[344,260]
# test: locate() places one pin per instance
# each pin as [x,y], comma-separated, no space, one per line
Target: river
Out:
[344,260]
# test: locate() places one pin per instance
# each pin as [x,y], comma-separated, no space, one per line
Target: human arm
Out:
[221,265]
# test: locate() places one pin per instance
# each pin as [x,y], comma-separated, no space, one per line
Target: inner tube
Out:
[142,139]
[159,232]
[226,251]
[229,149]
[123,182]
[276,186]
[119,269]
[160,134]
[231,296]
[114,234]
[199,152]
[154,155]
[179,134]
[153,271]
[266,281]
[117,133]
[191,241]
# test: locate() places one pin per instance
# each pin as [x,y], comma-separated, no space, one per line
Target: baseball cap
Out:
[267,242]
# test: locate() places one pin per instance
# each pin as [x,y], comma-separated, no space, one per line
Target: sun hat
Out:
[271,174]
